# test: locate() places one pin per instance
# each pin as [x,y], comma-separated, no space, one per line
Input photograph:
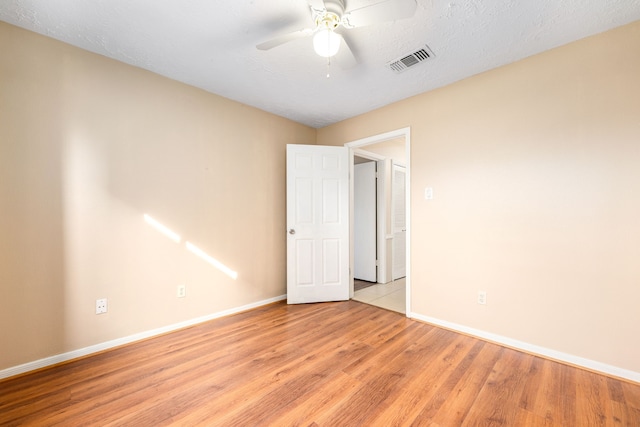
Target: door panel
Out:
[304,207]
[331,260]
[317,224]
[304,262]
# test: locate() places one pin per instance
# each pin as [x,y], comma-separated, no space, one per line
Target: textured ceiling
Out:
[211,44]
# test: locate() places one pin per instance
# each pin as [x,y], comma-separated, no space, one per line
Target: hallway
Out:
[391,296]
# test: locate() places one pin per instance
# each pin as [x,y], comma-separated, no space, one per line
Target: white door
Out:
[364,221]
[399,221]
[317,223]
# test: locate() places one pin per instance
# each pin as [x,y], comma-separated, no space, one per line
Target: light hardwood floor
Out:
[332,364]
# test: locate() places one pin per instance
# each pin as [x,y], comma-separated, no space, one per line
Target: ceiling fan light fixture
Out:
[326,43]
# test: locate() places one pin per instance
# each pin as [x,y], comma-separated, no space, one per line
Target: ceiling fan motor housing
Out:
[329,21]
[331,16]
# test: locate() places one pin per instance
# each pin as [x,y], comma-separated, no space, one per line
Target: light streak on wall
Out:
[162,228]
[214,262]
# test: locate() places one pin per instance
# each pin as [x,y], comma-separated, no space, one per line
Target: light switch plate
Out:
[428,193]
[182,291]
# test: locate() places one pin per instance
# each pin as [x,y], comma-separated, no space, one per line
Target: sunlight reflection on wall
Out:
[214,262]
[162,229]
[190,246]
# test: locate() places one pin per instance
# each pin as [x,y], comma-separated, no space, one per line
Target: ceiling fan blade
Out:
[285,38]
[345,58]
[316,4]
[386,10]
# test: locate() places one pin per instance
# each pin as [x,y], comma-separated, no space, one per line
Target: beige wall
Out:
[536,175]
[87,146]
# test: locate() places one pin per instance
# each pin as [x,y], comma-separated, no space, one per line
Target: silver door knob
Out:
[292,231]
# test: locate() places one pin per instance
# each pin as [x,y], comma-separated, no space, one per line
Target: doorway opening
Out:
[365,221]
[389,286]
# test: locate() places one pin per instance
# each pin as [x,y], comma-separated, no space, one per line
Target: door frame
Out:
[353,147]
[394,194]
[381,212]
[370,216]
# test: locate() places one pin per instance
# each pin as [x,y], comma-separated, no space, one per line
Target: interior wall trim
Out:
[547,353]
[64,357]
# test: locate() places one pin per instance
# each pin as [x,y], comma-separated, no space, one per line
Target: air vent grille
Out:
[406,61]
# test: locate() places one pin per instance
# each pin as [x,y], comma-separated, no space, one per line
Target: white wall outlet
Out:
[101,306]
[182,291]
[482,297]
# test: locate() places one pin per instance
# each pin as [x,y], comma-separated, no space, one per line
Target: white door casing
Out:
[364,221]
[399,222]
[405,134]
[317,223]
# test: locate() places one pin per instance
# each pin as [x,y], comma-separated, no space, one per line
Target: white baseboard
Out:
[591,365]
[59,358]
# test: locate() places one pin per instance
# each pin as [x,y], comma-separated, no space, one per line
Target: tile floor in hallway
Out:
[391,296]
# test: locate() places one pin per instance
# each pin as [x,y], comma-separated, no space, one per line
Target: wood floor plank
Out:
[432,405]
[531,391]
[404,369]
[381,353]
[504,384]
[334,364]
[525,417]
[326,398]
[567,398]
[428,381]
[591,393]
[631,395]
[460,401]
[549,404]
[261,399]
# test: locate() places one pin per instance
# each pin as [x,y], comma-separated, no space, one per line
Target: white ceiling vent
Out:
[406,61]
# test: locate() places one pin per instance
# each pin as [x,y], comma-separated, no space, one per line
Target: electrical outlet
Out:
[101,306]
[482,297]
[182,291]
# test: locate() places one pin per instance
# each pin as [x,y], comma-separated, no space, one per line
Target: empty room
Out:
[180,213]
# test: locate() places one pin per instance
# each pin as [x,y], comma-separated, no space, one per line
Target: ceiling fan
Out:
[329,15]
